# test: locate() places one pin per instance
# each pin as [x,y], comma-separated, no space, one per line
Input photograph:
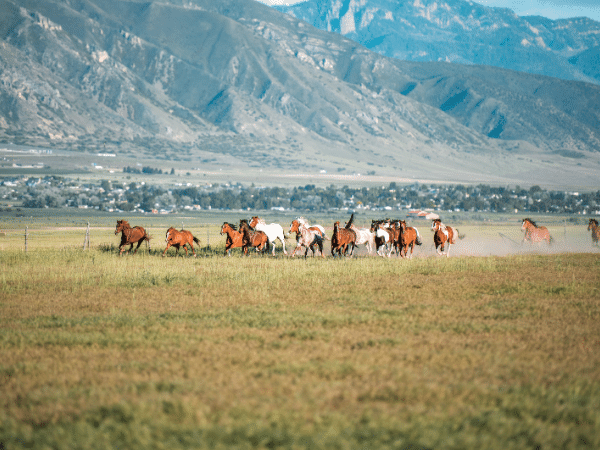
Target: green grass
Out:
[260,352]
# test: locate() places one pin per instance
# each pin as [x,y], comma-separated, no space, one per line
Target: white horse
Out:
[364,236]
[308,238]
[272,230]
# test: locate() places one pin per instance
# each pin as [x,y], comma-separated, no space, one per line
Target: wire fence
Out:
[31,238]
[28,238]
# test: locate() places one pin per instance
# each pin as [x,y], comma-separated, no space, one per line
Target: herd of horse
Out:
[383,237]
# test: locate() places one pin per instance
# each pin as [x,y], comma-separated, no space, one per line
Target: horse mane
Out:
[531,222]
[231,225]
[595,221]
[349,223]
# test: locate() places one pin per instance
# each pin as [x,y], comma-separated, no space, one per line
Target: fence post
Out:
[26,236]
[86,240]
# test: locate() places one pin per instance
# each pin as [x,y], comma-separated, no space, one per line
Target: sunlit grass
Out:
[148,352]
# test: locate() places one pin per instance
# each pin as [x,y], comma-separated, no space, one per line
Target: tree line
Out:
[57,192]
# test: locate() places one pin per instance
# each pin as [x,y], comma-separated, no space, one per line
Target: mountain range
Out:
[464,32]
[236,84]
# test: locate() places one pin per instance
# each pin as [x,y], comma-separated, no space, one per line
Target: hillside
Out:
[237,85]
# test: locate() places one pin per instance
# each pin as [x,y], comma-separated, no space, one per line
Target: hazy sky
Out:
[553,9]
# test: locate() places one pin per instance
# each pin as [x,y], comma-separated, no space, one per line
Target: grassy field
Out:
[495,351]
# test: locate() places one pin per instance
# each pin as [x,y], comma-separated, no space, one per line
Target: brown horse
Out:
[130,236]
[443,235]
[593,227]
[533,233]
[179,239]
[342,238]
[252,238]
[409,236]
[234,238]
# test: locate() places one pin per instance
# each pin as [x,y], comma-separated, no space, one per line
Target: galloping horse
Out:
[342,238]
[383,237]
[364,236]
[252,238]
[295,227]
[180,239]
[409,236]
[533,233]
[443,235]
[234,238]
[130,236]
[593,226]
[272,230]
[308,238]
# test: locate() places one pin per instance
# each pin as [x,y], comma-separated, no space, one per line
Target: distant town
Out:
[146,197]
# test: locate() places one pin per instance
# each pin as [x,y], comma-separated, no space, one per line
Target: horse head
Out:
[592,224]
[121,225]
[527,223]
[227,227]
[255,221]
[295,226]
[244,226]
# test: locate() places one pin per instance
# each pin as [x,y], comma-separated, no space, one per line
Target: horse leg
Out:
[165,252]
[138,246]
[282,239]
[298,247]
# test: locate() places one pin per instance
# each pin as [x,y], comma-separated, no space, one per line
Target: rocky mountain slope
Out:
[463,32]
[235,83]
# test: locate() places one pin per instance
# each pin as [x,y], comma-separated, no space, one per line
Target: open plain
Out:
[496,347]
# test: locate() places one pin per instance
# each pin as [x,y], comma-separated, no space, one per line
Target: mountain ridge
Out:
[238,84]
[459,31]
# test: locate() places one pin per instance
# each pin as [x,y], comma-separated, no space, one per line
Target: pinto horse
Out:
[443,235]
[593,227]
[409,236]
[533,233]
[309,238]
[342,238]
[234,237]
[383,237]
[273,231]
[252,238]
[298,221]
[130,236]
[179,239]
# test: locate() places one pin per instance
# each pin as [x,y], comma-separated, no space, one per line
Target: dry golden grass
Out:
[149,352]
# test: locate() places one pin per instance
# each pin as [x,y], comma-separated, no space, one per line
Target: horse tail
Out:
[196,240]
[550,239]
[418,241]
[460,236]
